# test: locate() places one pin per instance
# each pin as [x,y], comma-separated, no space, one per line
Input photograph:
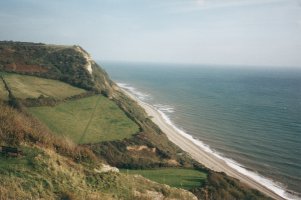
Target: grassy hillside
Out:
[44,174]
[55,168]
[87,120]
[23,87]
[180,178]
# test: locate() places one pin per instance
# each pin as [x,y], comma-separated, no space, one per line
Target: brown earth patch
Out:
[17,67]
[140,148]
[173,162]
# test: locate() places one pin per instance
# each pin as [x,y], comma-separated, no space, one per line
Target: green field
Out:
[23,87]
[180,178]
[3,91]
[87,120]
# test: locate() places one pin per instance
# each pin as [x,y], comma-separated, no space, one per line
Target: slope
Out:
[87,120]
[150,148]
[23,87]
[55,168]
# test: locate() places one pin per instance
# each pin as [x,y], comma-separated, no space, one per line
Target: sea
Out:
[248,116]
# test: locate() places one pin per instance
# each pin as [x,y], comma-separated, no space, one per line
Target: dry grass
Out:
[11,190]
[43,174]
[3,92]
[47,175]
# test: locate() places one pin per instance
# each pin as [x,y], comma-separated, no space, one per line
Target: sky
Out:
[217,32]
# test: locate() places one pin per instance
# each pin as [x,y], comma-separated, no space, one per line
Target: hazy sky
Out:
[240,32]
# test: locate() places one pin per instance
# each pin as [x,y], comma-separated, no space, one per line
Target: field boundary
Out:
[90,120]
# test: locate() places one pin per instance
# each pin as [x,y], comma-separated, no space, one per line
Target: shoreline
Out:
[188,144]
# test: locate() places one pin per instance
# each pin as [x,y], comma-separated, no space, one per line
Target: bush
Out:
[221,186]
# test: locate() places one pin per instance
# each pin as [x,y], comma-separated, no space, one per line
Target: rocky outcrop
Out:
[89,60]
[106,168]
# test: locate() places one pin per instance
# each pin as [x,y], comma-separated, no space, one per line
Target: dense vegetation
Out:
[59,62]
[77,167]
[221,186]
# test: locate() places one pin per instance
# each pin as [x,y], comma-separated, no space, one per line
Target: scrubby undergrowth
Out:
[55,168]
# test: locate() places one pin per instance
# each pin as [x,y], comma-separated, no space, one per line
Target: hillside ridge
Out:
[149,148]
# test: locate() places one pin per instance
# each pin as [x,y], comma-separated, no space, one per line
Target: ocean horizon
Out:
[250,118]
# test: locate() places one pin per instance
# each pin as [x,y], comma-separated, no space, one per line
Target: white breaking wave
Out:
[164,108]
[140,95]
[276,187]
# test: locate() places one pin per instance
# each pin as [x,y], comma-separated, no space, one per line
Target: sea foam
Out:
[140,95]
[276,187]
[164,108]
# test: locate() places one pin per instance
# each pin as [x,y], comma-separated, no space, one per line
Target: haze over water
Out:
[252,116]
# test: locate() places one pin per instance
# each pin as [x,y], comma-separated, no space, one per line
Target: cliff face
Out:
[70,64]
